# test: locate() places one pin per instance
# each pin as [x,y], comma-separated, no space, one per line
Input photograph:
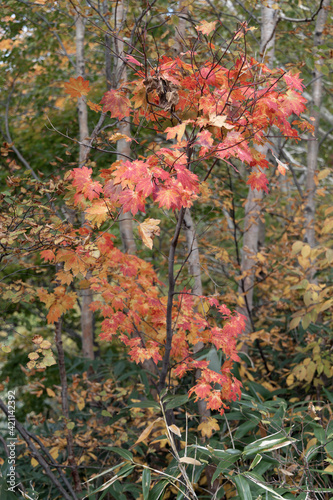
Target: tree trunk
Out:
[189,226]
[118,78]
[87,323]
[254,231]
[317,89]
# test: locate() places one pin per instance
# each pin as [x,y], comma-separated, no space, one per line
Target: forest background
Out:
[166,249]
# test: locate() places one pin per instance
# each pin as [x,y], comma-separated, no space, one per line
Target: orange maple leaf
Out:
[168,198]
[205,27]
[48,255]
[177,131]
[98,212]
[72,261]
[202,390]
[258,180]
[77,87]
[93,106]
[293,102]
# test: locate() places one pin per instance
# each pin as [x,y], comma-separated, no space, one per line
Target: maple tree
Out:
[216,113]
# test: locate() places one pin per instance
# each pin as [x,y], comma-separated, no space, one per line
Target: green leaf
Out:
[243,487]
[145,404]
[176,401]
[106,413]
[146,480]
[227,460]
[255,461]
[273,442]
[259,482]
[245,428]
[320,434]
[123,453]
[157,490]
[329,395]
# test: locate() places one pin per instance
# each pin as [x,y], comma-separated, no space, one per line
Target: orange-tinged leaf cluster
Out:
[58,302]
[133,305]
[77,87]
[205,27]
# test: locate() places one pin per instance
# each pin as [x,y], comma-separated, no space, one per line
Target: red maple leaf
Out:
[132,60]
[258,180]
[205,139]
[188,179]
[293,81]
[214,400]
[202,389]
[168,198]
[293,102]
[77,87]
[82,180]
[132,201]
[117,103]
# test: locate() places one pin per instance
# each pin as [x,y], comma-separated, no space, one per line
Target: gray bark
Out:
[189,225]
[87,323]
[253,226]
[118,78]
[312,158]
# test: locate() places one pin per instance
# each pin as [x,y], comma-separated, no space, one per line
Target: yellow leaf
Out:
[173,428]
[261,258]
[148,229]
[81,404]
[312,442]
[189,460]
[219,121]
[117,136]
[294,322]
[306,250]
[305,263]
[54,452]
[328,226]
[290,379]
[296,248]
[50,393]
[323,173]
[34,462]
[144,434]
[240,301]
[203,307]
[207,427]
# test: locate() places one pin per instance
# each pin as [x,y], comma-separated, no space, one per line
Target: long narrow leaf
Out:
[243,488]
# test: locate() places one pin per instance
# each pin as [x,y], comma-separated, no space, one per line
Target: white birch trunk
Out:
[253,226]
[189,225]
[87,321]
[123,147]
[312,159]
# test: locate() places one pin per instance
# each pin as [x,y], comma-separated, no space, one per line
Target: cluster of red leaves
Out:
[129,298]
[220,114]
[216,113]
